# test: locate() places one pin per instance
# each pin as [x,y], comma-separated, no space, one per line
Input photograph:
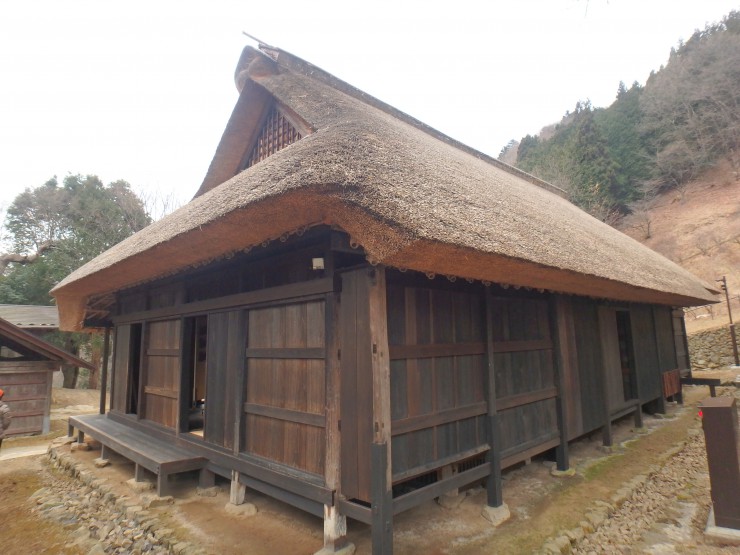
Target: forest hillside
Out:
[661,162]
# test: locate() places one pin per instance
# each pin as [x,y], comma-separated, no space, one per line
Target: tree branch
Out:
[12,257]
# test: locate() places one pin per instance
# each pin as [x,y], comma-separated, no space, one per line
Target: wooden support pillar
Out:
[493,483]
[606,315]
[162,484]
[560,342]
[381,482]
[80,436]
[104,451]
[638,415]
[104,369]
[382,504]
[206,478]
[335,523]
[139,473]
[660,405]
[238,491]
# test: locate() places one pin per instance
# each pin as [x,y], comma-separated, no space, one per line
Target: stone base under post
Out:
[335,534]
[496,515]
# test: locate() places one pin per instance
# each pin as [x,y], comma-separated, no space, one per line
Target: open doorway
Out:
[626,355]
[134,363]
[195,367]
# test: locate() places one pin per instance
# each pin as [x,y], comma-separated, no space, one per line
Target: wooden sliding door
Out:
[284,408]
[161,380]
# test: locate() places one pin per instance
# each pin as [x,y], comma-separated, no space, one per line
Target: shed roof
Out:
[31,316]
[411,196]
[22,341]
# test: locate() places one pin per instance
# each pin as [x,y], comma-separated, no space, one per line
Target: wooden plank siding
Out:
[681,344]
[588,355]
[665,338]
[647,364]
[27,388]
[436,341]
[225,360]
[285,395]
[161,382]
[119,381]
[525,375]
[356,403]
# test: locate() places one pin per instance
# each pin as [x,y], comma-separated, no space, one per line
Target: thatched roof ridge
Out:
[409,197]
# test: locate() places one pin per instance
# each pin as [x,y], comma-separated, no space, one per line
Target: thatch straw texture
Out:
[410,196]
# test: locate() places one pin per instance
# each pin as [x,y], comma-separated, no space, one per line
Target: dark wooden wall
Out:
[161,372]
[356,398]
[665,338]
[268,351]
[525,375]
[646,352]
[681,344]
[437,357]
[121,369]
[285,385]
[225,366]
[589,361]
[27,387]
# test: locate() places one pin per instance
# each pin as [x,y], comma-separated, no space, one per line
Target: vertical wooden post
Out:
[661,368]
[241,378]
[604,313]
[382,495]
[46,423]
[335,523]
[559,342]
[104,369]
[493,428]
[143,358]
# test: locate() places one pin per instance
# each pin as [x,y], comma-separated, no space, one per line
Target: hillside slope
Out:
[698,228]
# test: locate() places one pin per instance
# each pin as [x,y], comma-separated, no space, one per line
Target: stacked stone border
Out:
[711,349]
[599,511]
[127,514]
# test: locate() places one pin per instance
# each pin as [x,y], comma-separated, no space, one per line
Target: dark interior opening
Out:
[626,355]
[134,369]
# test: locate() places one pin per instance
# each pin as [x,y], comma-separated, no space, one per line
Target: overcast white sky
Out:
[142,90]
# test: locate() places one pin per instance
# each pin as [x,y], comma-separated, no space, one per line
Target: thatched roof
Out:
[412,197]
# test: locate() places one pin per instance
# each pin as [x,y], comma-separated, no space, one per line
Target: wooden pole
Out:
[493,484]
[335,523]
[104,369]
[381,482]
[559,341]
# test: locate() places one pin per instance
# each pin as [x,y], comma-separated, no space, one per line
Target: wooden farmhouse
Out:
[27,364]
[357,314]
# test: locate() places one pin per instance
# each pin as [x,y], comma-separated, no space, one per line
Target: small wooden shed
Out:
[357,314]
[27,364]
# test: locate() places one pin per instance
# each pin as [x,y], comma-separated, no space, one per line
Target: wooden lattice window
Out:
[276,133]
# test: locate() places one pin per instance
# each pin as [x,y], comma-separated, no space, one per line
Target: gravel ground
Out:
[667,512]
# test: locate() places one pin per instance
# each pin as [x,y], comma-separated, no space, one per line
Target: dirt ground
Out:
[541,505]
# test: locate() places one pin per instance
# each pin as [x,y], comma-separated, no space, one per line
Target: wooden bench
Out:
[711,382]
[145,451]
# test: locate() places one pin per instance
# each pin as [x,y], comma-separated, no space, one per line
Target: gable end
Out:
[277,132]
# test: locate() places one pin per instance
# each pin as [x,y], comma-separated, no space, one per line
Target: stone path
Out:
[17,452]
